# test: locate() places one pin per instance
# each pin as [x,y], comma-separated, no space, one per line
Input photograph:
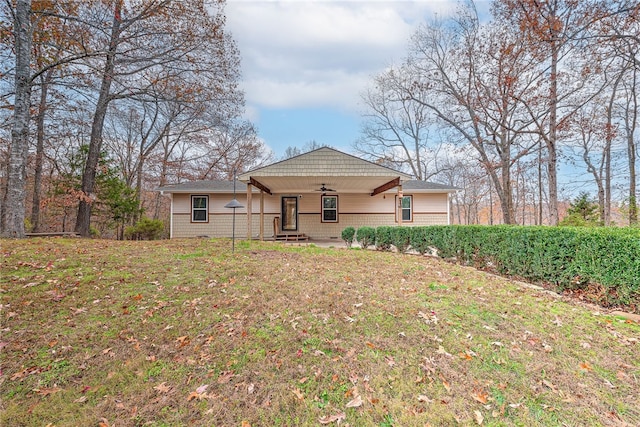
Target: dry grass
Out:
[185,333]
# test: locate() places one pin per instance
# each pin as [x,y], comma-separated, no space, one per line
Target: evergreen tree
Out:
[582,212]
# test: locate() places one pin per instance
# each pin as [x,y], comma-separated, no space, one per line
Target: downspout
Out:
[399,206]
[170,214]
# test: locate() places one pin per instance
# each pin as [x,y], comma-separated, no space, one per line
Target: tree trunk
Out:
[45,80]
[631,120]
[540,185]
[13,213]
[552,161]
[83,220]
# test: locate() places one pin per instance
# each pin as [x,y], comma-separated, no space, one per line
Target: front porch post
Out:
[399,207]
[249,213]
[261,215]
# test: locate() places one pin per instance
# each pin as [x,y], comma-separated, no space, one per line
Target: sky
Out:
[305,63]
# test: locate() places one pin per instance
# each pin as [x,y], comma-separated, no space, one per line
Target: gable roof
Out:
[324,161]
[323,167]
[310,171]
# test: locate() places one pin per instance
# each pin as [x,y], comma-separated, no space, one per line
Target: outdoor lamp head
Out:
[234,204]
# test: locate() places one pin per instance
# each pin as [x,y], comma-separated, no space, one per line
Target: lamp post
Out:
[234,204]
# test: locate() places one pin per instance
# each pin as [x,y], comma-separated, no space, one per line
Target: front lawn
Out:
[184,332]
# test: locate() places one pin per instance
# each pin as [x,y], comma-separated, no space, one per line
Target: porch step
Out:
[292,237]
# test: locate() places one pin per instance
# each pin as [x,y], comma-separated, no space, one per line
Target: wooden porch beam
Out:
[388,186]
[259,185]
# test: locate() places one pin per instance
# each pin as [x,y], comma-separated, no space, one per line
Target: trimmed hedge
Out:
[568,257]
[366,236]
[384,238]
[401,238]
[347,235]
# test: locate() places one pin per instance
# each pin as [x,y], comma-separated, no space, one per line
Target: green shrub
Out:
[94,232]
[366,236]
[145,229]
[383,238]
[347,235]
[606,259]
[420,239]
[401,238]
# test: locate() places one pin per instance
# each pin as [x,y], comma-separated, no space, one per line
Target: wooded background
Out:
[102,101]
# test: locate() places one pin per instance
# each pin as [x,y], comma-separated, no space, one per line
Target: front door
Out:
[289,214]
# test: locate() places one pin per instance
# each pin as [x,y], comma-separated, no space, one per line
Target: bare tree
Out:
[555,28]
[13,208]
[396,128]
[472,78]
[156,43]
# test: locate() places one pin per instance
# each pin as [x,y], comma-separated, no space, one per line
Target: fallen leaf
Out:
[225,377]
[390,361]
[162,387]
[478,416]
[47,391]
[245,423]
[370,344]
[328,419]
[106,350]
[549,384]
[81,399]
[355,402]
[194,395]
[446,386]
[424,399]
[298,393]
[585,366]
[441,350]
[480,396]
[466,356]
[621,375]
[183,341]
[202,388]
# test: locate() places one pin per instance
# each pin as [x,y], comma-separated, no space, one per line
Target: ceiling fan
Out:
[325,189]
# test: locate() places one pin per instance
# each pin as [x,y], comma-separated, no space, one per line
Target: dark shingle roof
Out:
[426,185]
[212,186]
[220,186]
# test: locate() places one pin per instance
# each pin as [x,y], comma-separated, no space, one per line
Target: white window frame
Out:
[199,209]
[323,209]
[410,209]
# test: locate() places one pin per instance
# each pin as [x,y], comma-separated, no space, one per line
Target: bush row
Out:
[567,257]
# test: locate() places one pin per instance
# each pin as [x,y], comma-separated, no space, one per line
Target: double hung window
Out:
[199,208]
[407,208]
[329,208]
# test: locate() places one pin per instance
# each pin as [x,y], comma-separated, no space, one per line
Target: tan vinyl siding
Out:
[430,202]
[182,203]
[348,203]
[356,210]
[220,225]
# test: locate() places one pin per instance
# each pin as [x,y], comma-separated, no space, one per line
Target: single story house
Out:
[314,195]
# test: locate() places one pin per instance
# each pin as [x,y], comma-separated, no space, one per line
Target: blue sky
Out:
[305,63]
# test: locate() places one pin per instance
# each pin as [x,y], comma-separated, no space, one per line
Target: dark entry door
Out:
[289,214]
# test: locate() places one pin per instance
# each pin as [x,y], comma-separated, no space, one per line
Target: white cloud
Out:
[298,54]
